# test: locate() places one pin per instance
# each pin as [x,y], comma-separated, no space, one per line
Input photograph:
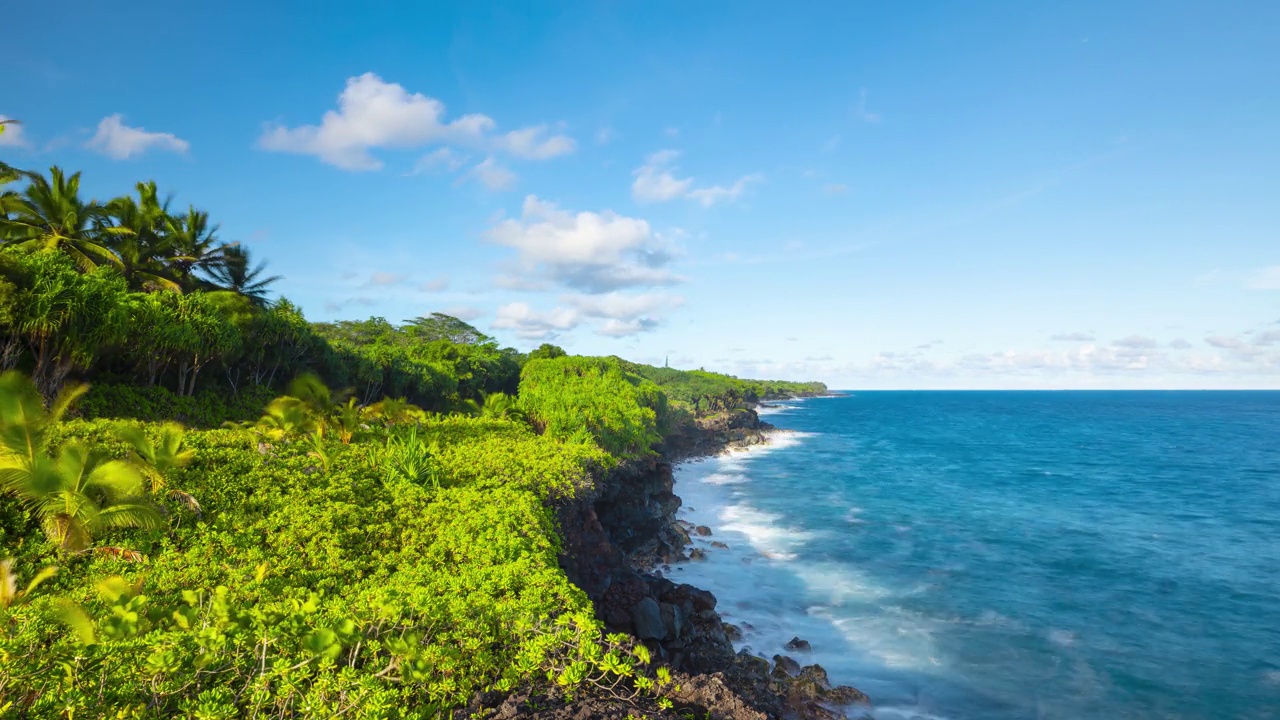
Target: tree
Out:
[64,317]
[157,459]
[438,326]
[51,214]
[195,245]
[236,273]
[547,351]
[137,235]
[76,493]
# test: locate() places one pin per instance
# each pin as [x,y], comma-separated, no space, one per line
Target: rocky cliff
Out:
[618,543]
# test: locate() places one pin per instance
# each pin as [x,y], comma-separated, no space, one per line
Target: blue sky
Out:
[878,195]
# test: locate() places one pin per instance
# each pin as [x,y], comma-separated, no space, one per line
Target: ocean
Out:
[1009,555]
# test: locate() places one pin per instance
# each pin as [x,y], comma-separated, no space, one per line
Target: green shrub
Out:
[206,409]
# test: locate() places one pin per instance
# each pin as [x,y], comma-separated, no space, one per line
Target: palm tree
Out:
[234,271]
[395,411]
[500,405]
[10,595]
[157,459]
[50,213]
[76,493]
[138,236]
[285,417]
[194,243]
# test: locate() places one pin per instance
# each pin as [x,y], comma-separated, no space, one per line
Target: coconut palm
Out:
[50,213]
[285,417]
[75,493]
[195,244]
[138,236]
[234,271]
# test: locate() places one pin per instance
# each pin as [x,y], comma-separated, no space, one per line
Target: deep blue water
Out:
[1011,554]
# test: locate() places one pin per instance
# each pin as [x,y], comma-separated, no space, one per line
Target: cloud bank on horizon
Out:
[848,215]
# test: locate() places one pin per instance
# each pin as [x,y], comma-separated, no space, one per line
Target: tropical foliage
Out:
[250,515]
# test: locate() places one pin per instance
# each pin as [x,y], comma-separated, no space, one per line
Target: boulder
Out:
[672,619]
[646,616]
[697,554]
[733,632]
[702,530]
[798,645]
[786,665]
[718,544]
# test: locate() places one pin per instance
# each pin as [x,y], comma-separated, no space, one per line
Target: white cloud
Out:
[1224,343]
[622,306]
[626,328]
[529,324]
[1180,344]
[464,312]
[656,181]
[709,196]
[440,158]
[1072,337]
[1267,338]
[835,188]
[530,144]
[585,251]
[12,135]
[604,135]
[375,114]
[385,279]
[1136,342]
[119,141]
[437,285]
[492,175]
[1265,279]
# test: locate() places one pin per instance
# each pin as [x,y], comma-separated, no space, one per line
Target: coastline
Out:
[625,547]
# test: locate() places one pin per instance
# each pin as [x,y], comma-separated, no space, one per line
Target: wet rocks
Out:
[697,554]
[702,530]
[786,665]
[646,618]
[720,545]
[795,644]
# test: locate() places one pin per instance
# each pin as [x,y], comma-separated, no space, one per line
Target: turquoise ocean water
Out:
[1010,554]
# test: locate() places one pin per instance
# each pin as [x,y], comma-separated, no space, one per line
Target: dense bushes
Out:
[206,409]
[584,397]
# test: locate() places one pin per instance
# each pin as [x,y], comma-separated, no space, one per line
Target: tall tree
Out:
[51,214]
[137,233]
[235,272]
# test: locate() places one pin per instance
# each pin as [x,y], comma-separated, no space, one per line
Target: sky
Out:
[875,195]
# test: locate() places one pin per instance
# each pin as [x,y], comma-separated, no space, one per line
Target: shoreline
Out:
[626,549]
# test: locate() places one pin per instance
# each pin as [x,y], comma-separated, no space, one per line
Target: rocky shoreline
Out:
[619,544]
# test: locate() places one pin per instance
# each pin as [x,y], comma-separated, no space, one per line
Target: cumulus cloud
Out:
[439,159]
[604,135]
[119,141]
[1072,337]
[1223,342]
[623,306]
[585,251]
[1267,338]
[492,175]
[1180,344]
[529,324]
[656,181]
[1136,342]
[12,135]
[375,114]
[532,143]
[464,312]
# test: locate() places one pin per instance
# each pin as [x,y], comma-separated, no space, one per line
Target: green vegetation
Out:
[246,514]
